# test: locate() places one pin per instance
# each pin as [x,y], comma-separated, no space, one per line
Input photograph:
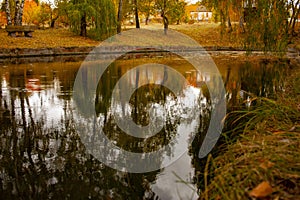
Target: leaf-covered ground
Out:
[206,34]
[45,38]
[209,34]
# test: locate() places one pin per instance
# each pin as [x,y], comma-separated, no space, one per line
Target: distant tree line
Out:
[99,18]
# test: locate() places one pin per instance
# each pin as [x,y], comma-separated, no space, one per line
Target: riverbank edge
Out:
[77,50]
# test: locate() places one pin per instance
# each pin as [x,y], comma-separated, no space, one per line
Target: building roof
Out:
[196,8]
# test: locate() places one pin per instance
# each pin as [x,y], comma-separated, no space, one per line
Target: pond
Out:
[44,155]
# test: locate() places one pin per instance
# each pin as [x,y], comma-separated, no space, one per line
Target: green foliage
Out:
[76,10]
[105,19]
[99,16]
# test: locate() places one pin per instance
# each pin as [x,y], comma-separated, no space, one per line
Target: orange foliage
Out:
[30,14]
[2,18]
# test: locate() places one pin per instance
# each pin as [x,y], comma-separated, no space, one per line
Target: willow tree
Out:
[267,25]
[105,23]
[266,21]
[79,12]
[97,17]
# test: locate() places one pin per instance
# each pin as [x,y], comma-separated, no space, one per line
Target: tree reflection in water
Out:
[42,156]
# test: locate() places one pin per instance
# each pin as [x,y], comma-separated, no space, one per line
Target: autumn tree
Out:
[147,7]
[125,11]
[52,12]
[61,11]
[238,8]
[178,11]
[222,9]
[169,9]
[45,13]
[31,12]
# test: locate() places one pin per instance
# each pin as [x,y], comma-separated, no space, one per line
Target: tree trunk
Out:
[83,25]
[294,17]
[7,11]
[137,21]
[229,30]
[241,23]
[147,20]
[119,16]
[293,24]
[17,13]
[294,11]
[52,24]
[166,24]
[165,19]
[21,12]
[53,20]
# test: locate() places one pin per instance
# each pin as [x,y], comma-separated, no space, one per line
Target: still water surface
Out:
[42,155]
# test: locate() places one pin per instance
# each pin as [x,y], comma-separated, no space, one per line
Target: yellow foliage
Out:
[31,12]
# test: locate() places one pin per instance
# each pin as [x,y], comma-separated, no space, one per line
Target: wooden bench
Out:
[14,30]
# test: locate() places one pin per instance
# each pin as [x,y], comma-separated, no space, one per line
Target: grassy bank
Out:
[263,162]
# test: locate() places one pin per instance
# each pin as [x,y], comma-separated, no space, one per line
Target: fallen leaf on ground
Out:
[279,132]
[266,165]
[262,190]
